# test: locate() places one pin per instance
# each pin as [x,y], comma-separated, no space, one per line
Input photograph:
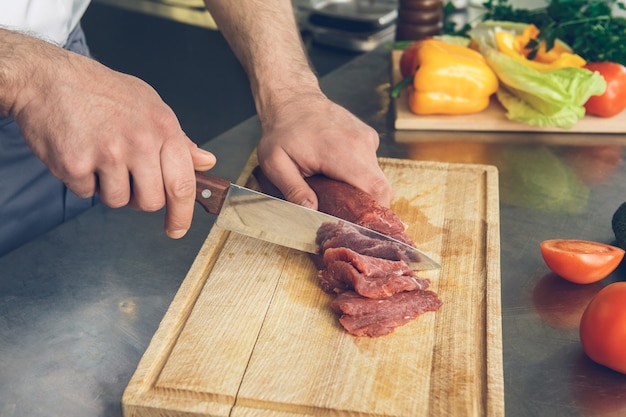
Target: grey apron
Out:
[32,200]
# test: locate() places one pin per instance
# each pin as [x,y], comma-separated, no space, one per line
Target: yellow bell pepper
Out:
[559,56]
[450,79]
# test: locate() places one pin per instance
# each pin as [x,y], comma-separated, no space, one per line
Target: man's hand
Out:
[101,131]
[310,134]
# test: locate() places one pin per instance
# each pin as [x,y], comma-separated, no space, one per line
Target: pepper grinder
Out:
[418,19]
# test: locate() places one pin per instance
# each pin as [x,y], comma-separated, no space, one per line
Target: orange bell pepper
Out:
[515,46]
[450,79]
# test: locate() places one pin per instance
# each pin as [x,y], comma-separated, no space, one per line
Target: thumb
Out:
[202,160]
[298,191]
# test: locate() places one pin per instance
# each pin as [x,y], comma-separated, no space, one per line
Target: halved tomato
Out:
[580,261]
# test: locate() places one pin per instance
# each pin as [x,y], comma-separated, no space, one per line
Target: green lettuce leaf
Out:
[551,98]
[520,111]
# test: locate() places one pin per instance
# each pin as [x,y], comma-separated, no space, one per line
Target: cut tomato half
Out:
[580,261]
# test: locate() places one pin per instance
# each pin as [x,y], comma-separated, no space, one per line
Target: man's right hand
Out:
[99,130]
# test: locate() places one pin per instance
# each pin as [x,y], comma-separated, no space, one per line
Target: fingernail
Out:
[176,234]
[307,203]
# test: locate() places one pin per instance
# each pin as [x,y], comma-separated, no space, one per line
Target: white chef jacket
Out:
[52,20]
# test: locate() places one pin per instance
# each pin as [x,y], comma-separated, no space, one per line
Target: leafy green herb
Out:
[449,25]
[589,27]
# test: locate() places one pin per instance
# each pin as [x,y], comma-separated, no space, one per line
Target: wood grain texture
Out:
[492,119]
[250,333]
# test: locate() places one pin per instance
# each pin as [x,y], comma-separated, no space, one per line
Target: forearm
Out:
[304,133]
[21,69]
[265,38]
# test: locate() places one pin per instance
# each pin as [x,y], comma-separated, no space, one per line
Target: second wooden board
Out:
[492,119]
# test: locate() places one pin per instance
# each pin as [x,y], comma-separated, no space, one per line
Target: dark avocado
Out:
[618,223]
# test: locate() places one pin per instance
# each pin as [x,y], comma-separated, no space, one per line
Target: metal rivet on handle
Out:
[206,193]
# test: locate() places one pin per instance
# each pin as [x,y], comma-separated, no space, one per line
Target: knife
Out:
[261,216]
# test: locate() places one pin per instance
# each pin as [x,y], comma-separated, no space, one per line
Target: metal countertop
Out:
[79,305]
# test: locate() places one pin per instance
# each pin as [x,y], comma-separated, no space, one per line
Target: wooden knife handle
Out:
[211,191]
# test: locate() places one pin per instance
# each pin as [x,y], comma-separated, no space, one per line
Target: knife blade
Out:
[261,216]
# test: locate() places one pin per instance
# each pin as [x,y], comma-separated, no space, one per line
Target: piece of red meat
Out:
[352,260]
[369,276]
[334,277]
[342,235]
[342,200]
[362,316]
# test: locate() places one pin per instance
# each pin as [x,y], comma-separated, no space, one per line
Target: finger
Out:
[286,176]
[148,190]
[180,187]
[114,186]
[369,177]
[377,185]
[86,187]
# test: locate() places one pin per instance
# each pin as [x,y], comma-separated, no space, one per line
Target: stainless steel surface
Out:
[79,305]
[277,221]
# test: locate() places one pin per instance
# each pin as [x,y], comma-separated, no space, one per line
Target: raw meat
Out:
[369,276]
[342,200]
[362,316]
[351,204]
[342,235]
[377,290]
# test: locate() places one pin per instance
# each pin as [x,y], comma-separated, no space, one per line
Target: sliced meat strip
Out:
[369,276]
[362,316]
[342,235]
[333,277]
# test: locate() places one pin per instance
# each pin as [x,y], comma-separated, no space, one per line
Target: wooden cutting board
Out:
[250,333]
[491,119]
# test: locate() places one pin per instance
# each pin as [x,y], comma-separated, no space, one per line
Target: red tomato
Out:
[613,101]
[580,261]
[407,67]
[603,327]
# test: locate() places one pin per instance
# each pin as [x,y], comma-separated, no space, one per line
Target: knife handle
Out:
[211,191]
